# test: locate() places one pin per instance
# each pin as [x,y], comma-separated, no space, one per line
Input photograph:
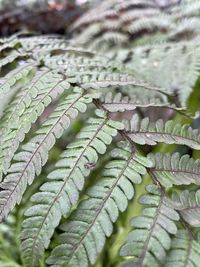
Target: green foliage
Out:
[84,132]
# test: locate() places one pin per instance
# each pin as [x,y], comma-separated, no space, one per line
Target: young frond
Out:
[174,169]
[96,214]
[150,239]
[61,192]
[143,131]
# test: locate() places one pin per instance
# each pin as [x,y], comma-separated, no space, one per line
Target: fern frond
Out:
[174,169]
[162,22]
[96,214]
[102,80]
[68,62]
[119,103]
[30,160]
[19,73]
[188,205]
[109,39]
[187,9]
[150,133]
[187,27]
[58,195]
[151,238]
[166,65]
[43,89]
[184,251]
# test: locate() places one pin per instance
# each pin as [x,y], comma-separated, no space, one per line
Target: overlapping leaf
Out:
[150,239]
[29,161]
[61,192]
[87,228]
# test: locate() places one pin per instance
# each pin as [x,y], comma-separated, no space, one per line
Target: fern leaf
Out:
[109,39]
[150,133]
[62,191]
[87,228]
[188,205]
[161,22]
[45,87]
[151,238]
[118,103]
[102,80]
[72,63]
[184,251]
[174,169]
[10,80]
[166,65]
[30,160]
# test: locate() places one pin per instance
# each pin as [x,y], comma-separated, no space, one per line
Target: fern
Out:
[151,238]
[14,76]
[44,89]
[119,103]
[62,191]
[145,132]
[34,155]
[174,169]
[80,139]
[96,214]
[184,251]
[188,204]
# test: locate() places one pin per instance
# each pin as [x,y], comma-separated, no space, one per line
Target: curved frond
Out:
[61,192]
[34,154]
[25,109]
[151,239]
[87,228]
[143,131]
[174,169]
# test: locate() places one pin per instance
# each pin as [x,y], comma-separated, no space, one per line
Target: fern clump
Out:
[84,134]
